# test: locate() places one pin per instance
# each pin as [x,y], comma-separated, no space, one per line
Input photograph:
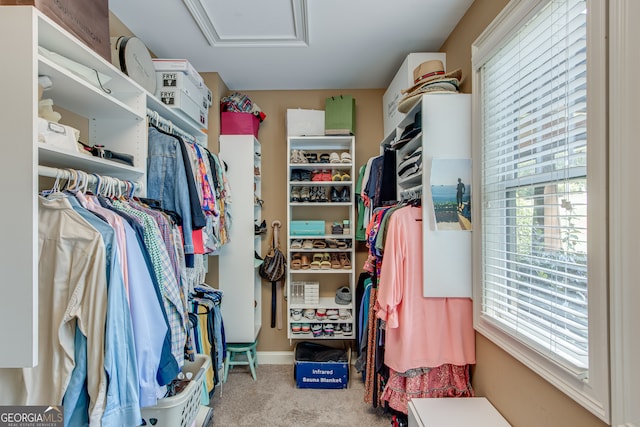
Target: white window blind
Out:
[534,185]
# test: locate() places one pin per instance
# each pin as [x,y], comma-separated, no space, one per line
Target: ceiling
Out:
[292,44]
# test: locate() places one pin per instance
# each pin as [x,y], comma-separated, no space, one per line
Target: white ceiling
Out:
[257,45]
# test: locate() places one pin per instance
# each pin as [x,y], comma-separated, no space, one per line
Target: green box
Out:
[340,115]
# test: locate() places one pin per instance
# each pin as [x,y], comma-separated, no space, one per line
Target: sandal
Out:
[295,194]
[311,157]
[345,177]
[336,175]
[345,157]
[316,264]
[296,261]
[319,244]
[305,194]
[333,243]
[304,262]
[334,158]
[296,244]
[324,158]
[344,260]
[307,244]
[335,263]
[325,264]
[342,244]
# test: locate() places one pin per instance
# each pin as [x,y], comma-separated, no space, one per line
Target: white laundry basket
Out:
[180,410]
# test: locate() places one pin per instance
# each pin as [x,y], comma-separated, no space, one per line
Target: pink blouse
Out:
[420,332]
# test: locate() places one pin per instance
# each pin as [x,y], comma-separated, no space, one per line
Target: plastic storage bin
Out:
[180,410]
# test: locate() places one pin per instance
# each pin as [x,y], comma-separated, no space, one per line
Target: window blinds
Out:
[534,186]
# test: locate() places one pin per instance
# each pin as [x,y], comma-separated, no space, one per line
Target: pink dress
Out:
[420,332]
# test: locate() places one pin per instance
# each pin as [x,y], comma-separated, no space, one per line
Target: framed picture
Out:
[451,194]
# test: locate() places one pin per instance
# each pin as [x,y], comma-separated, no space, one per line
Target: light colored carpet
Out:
[274,400]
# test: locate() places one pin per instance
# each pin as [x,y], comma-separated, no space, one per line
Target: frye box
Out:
[403,80]
[179,80]
[176,98]
[310,374]
[302,122]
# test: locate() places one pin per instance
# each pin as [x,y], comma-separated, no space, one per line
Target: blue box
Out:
[321,374]
[307,228]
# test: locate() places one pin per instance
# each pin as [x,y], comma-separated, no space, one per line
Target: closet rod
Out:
[155,116]
[67,174]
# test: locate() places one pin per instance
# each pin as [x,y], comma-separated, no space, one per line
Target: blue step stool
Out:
[241,354]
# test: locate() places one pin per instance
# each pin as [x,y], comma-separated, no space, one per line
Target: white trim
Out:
[624,175]
[594,394]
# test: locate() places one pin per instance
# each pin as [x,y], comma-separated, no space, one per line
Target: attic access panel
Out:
[251,23]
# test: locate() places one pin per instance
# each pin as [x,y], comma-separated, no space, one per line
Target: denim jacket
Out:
[167,180]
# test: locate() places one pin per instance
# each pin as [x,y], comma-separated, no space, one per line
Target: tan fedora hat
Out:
[430,71]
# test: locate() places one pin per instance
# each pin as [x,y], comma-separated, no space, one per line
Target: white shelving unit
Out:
[328,280]
[446,134]
[116,119]
[238,277]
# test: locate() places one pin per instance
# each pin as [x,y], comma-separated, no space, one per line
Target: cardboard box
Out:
[86,20]
[306,228]
[235,123]
[179,99]
[302,122]
[327,375]
[179,80]
[403,80]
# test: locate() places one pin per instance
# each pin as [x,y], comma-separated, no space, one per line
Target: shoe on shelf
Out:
[305,328]
[345,157]
[261,228]
[324,158]
[309,313]
[332,314]
[334,158]
[296,328]
[338,329]
[345,194]
[316,328]
[344,314]
[347,329]
[305,194]
[327,329]
[334,261]
[311,157]
[295,194]
[295,175]
[325,174]
[343,295]
[336,228]
[321,195]
[296,244]
[296,314]
[335,195]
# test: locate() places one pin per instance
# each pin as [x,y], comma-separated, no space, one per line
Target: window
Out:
[536,294]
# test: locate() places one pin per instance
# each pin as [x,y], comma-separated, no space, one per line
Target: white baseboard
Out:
[284,357]
[275,357]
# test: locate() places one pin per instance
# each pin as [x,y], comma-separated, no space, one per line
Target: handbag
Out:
[274,266]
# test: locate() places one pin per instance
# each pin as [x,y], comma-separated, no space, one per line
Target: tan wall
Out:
[273,137]
[523,397]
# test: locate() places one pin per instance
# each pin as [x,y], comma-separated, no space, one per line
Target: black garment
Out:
[388,184]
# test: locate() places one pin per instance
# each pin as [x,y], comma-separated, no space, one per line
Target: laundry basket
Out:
[180,410]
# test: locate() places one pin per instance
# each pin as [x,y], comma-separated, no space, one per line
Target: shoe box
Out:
[311,372]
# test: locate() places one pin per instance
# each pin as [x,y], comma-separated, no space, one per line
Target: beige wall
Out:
[523,397]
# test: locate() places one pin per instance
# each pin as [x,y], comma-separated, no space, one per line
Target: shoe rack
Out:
[320,237]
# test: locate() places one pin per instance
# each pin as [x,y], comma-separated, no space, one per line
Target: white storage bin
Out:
[403,80]
[176,98]
[167,80]
[302,122]
[164,64]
